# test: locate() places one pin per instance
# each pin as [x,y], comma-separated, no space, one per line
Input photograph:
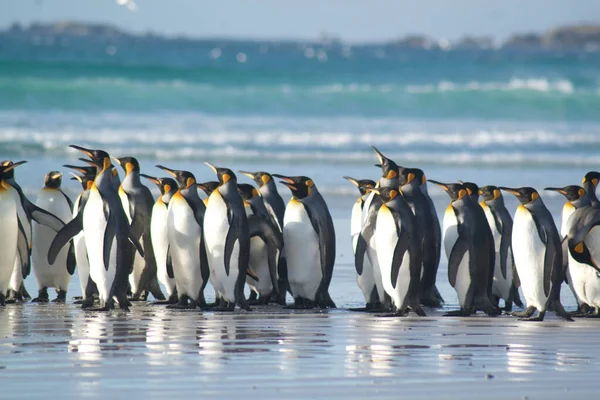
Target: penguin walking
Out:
[107,235]
[399,251]
[309,238]
[505,279]
[186,216]
[276,209]
[411,181]
[266,242]
[227,239]
[538,255]
[138,202]
[364,277]
[10,230]
[470,255]
[26,212]
[89,290]
[582,279]
[57,275]
[160,235]
[366,245]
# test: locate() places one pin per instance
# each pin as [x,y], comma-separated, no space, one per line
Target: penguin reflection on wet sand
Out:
[365,279]
[583,279]
[309,235]
[538,255]
[399,252]
[470,256]
[227,239]
[506,280]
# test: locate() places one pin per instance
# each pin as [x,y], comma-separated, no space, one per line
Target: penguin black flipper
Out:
[69,201]
[64,235]
[263,228]
[109,234]
[461,246]
[399,252]
[170,272]
[232,236]
[71,261]
[23,251]
[325,231]
[504,242]
[359,254]
[45,218]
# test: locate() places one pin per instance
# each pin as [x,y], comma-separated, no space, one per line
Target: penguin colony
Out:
[125,243]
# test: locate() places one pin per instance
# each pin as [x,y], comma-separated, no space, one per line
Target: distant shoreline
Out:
[572,37]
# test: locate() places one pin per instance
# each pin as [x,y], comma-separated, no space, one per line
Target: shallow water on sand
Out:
[276,353]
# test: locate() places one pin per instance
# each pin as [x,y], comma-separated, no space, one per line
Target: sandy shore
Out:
[274,353]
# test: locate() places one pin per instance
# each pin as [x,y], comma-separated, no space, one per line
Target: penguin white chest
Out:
[8,244]
[501,285]
[356,222]
[450,229]
[529,253]
[302,251]
[160,244]
[81,258]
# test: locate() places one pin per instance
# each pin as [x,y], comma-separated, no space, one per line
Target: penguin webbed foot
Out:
[528,312]
[61,296]
[538,318]
[418,310]
[463,312]
[86,303]
[42,296]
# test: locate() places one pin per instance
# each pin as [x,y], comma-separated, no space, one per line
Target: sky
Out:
[351,20]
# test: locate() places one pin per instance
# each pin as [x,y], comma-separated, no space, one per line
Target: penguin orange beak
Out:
[212,166]
[151,178]
[85,151]
[285,178]
[440,184]
[374,190]
[354,181]
[509,190]
[248,174]
[13,166]
[380,155]
[559,190]
[167,170]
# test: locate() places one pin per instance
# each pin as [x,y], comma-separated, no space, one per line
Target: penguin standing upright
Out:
[88,286]
[227,239]
[365,245]
[411,181]
[10,231]
[208,188]
[582,279]
[309,237]
[57,275]
[266,242]
[107,235]
[137,202]
[185,218]
[399,251]
[506,281]
[27,212]
[590,184]
[538,255]
[160,235]
[365,279]
[470,256]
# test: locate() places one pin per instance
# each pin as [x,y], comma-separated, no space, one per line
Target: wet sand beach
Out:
[271,352]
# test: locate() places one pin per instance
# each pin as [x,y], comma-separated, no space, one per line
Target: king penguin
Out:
[266,242]
[538,255]
[470,259]
[137,202]
[10,230]
[582,279]
[89,290]
[227,241]
[590,184]
[57,275]
[411,181]
[185,218]
[160,235]
[208,188]
[506,281]
[309,238]
[399,251]
[365,279]
[27,212]
[107,235]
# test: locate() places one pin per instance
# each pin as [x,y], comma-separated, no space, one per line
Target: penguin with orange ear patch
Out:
[538,255]
[468,252]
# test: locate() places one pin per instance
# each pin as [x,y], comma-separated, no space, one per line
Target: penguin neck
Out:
[166,197]
[258,205]
[104,182]
[190,193]
[591,191]
[268,188]
[495,203]
[228,189]
[579,203]
[411,190]
[131,180]
[385,182]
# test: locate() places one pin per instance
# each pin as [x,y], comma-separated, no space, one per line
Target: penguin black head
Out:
[472,189]
[208,187]
[363,185]
[389,169]
[85,180]
[456,191]
[261,178]
[301,186]
[387,194]
[99,158]
[581,253]
[7,168]
[185,179]
[165,185]
[592,177]
[490,192]
[248,192]
[571,192]
[90,171]
[526,195]
[129,164]
[223,174]
[409,175]
[53,180]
